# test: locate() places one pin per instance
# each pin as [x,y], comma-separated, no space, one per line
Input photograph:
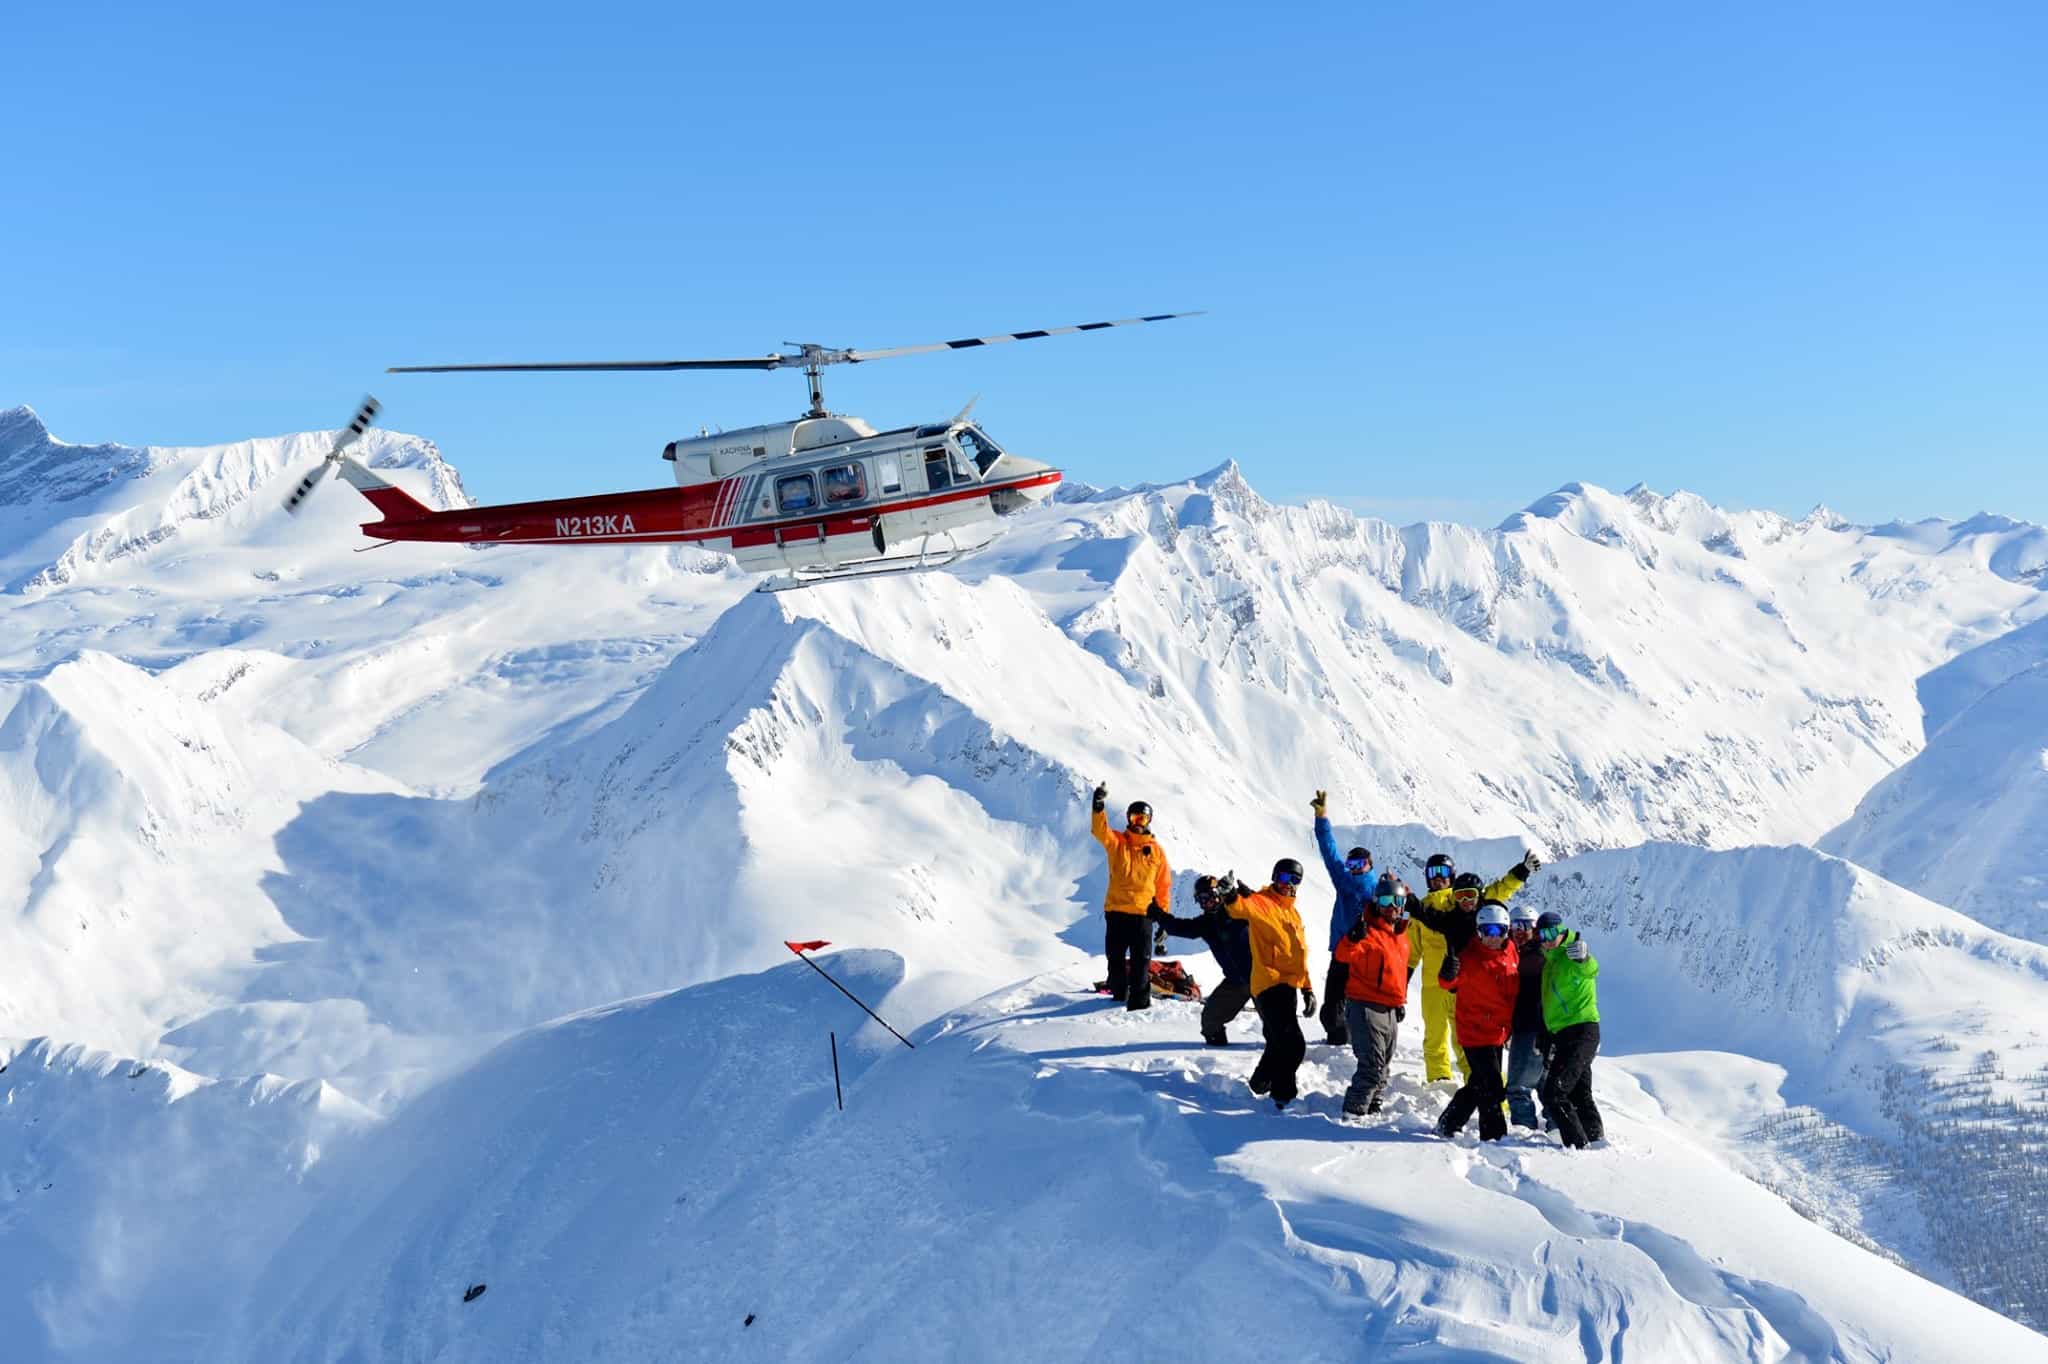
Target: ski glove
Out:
[1531,860]
[1308,1003]
[1448,971]
[1101,794]
[1156,911]
[1400,1013]
[1577,950]
[1322,799]
[1357,930]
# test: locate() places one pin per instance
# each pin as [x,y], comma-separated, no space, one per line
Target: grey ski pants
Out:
[1372,1028]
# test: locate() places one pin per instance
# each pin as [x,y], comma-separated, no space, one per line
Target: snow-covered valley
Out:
[326,874]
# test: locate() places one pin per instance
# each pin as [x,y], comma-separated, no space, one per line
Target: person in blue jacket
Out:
[1352,875]
[1230,943]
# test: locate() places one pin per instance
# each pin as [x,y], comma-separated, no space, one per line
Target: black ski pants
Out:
[1127,940]
[1568,1084]
[1336,1031]
[1278,1007]
[1484,1090]
[1224,1003]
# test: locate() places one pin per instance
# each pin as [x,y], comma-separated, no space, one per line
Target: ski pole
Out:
[798,948]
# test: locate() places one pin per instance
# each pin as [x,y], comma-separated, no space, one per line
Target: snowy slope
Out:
[1966,821]
[274,807]
[1043,1178]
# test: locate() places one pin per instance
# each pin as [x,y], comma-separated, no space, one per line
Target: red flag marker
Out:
[801,947]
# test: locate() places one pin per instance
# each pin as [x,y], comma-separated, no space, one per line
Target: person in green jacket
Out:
[1571,1015]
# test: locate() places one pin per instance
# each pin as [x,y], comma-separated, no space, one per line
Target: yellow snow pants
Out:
[1439,1042]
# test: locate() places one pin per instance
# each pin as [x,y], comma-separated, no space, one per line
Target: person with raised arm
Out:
[1441,927]
[1571,1011]
[1351,874]
[1229,942]
[1139,881]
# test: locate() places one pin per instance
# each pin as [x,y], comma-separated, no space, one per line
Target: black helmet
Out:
[1357,854]
[1205,889]
[1439,864]
[1138,809]
[1549,918]
[1289,869]
[1466,881]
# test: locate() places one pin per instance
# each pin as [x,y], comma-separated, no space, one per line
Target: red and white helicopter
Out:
[819,499]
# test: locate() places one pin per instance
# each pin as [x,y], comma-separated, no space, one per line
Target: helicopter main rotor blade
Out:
[856,356]
[764,362]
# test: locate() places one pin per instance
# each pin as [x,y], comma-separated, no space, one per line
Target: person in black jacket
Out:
[1230,943]
[1529,1043]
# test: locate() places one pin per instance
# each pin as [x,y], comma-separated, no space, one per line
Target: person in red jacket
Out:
[1486,981]
[1374,952]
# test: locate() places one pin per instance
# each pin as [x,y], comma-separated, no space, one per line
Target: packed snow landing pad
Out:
[1046,1177]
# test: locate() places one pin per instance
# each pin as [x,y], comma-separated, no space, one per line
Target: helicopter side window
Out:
[793,493]
[978,448]
[845,483]
[936,474]
[892,473]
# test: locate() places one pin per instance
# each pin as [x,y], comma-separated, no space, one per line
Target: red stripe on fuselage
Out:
[656,515]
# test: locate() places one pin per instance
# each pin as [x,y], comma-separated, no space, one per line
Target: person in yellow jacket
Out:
[1139,882]
[1427,948]
[1279,975]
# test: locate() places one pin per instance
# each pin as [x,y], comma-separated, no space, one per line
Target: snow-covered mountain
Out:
[1966,821]
[272,808]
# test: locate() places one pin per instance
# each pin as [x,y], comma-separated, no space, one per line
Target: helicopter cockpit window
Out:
[936,474]
[977,447]
[845,483]
[793,493]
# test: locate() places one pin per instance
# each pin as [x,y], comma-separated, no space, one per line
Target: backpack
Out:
[1170,980]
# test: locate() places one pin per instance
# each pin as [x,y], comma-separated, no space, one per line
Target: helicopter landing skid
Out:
[886,566]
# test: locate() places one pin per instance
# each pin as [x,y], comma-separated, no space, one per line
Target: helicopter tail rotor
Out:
[348,436]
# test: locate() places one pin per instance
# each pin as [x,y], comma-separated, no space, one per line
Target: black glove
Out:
[1449,970]
[1101,794]
[1531,861]
[1243,890]
[1357,930]
[1400,1013]
[1156,911]
[1308,1003]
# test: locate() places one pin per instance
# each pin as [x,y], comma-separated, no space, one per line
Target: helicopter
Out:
[823,498]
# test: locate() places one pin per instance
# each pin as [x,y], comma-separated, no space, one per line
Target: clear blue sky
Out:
[1454,255]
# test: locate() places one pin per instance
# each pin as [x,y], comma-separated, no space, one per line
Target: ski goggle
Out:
[1466,898]
[1286,878]
[1206,897]
[1434,874]
[1389,899]
[1354,865]
[1492,931]
[1137,819]
[1522,926]
[1552,933]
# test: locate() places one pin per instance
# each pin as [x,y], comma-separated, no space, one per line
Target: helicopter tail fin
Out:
[395,503]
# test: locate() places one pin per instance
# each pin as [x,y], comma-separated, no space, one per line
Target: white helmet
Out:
[1494,916]
[1522,916]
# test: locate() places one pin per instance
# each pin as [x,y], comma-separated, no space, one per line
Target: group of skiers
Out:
[1509,993]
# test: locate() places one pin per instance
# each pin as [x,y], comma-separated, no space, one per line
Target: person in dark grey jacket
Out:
[1230,943]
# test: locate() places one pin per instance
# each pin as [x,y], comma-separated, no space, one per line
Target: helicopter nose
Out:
[1030,482]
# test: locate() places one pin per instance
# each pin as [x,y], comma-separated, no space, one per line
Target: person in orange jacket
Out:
[1374,951]
[1487,980]
[1139,882]
[1279,975]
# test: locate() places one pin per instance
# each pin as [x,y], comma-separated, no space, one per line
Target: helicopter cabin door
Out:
[800,543]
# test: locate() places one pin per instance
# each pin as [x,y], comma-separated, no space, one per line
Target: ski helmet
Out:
[1548,920]
[1521,916]
[1387,890]
[1439,864]
[1287,872]
[1493,914]
[1139,811]
[1205,890]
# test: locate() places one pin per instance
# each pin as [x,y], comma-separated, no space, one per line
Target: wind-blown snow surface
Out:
[273,807]
[1044,1178]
